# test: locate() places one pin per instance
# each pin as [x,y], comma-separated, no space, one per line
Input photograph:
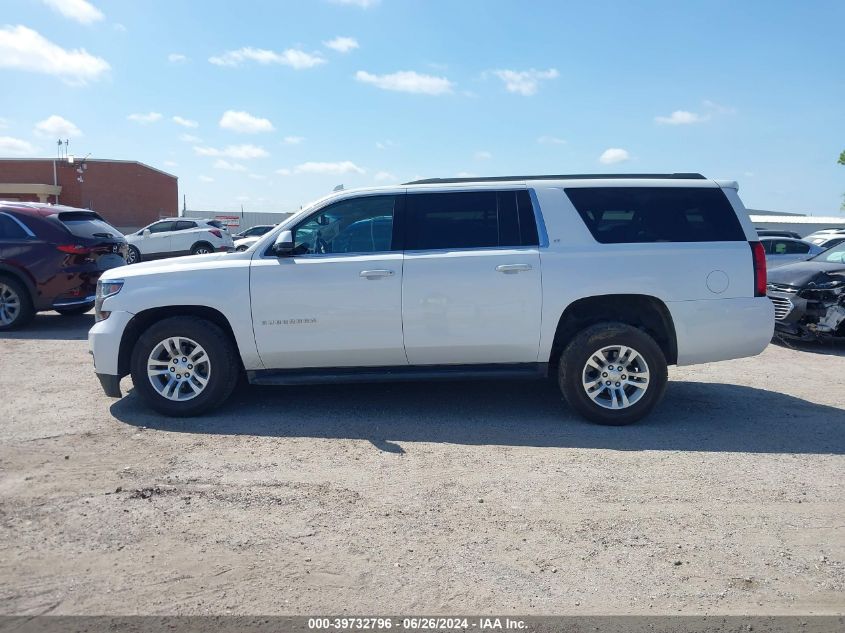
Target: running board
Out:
[329,375]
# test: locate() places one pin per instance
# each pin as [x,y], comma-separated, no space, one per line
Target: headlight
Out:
[105,289]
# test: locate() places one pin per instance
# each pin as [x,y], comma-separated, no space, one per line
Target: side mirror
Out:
[283,245]
[146,233]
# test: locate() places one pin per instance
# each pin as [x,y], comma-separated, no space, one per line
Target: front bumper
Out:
[111,385]
[104,343]
[808,312]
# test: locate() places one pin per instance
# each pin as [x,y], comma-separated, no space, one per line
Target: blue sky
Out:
[270,104]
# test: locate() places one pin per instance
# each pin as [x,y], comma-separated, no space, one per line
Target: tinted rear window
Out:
[471,219]
[618,215]
[87,224]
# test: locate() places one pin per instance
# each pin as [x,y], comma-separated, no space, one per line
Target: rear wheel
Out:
[15,304]
[133,255]
[612,373]
[202,249]
[183,366]
[75,310]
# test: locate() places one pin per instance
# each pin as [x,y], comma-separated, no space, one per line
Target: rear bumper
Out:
[721,329]
[72,303]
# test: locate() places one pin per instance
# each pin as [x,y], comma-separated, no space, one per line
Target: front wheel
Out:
[612,373]
[184,366]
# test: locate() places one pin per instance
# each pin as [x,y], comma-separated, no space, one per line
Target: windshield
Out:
[834,255]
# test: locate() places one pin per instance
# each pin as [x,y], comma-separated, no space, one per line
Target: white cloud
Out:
[10,146]
[257,176]
[384,176]
[178,120]
[465,174]
[681,117]
[80,10]
[241,152]
[525,82]
[22,48]
[4,123]
[614,155]
[341,167]
[177,58]
[550,140]
[718,108]
[206,179]
[342,44]
[283,172]
[189,138]
[54,127]
[293,140]
[483,156]
[238,121]
[149,117]
[364,4]
[407,81]
[292,57]
[225,164]
[120,28]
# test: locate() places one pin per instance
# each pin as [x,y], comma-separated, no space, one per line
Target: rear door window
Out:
[87,224]
[10,230]
[184,224]
[617,215]
[470,219]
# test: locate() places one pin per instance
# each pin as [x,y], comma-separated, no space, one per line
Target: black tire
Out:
[202,248]
[11,288]
[224,365]
[133,255]
[75,310]
[241,249]
[584,346]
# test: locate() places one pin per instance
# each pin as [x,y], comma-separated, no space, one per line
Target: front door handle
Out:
[511,269]
[376,274]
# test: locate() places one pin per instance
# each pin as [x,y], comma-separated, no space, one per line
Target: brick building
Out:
[128,194]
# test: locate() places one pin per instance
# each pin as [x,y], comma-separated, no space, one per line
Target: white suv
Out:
[178,236]
[597,281]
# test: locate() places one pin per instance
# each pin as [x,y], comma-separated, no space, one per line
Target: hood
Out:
[171,264]
[802,273]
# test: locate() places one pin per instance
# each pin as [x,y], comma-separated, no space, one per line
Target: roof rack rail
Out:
[437,181]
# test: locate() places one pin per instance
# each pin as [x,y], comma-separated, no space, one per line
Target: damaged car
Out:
[809,297]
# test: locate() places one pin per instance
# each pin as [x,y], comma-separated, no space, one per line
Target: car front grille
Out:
[783,307]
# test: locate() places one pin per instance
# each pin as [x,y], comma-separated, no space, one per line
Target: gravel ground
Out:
[421,498]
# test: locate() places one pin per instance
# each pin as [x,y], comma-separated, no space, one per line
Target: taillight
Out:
[216,232]
[759,257]
[74,249]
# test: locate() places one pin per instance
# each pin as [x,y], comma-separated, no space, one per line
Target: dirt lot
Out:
[422,498]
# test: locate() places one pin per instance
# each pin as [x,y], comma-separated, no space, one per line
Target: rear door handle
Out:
[376,274]
[510,269]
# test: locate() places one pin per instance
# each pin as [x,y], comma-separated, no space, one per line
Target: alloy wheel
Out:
[178,368]
[615,377]
[10,305]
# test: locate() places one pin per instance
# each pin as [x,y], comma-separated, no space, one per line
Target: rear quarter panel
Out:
[707,286]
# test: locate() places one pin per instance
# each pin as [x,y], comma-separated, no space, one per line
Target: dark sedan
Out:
[51,258]
[809,297]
